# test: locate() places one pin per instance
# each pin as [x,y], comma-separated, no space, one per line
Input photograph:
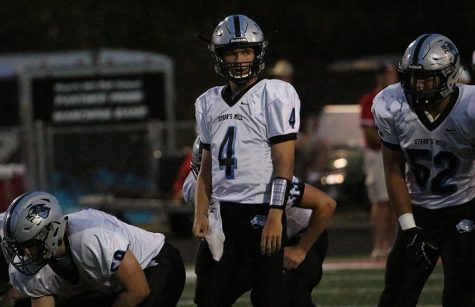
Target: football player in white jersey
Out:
[248,130]
[87,257]
[426,124]
[308,212]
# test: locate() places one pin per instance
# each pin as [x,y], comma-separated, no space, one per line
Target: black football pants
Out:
[299,282]
[166,282]
[404,280]
[242,266]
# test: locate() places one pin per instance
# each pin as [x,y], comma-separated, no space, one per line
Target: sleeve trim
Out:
[283,138]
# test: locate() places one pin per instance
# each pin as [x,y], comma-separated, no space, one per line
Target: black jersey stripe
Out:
[415,55]
[237,26]
[283,138]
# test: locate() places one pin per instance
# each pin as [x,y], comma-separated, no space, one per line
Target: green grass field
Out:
[356,287]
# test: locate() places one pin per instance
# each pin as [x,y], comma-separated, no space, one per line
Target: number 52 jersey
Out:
[440,154]
[239,133]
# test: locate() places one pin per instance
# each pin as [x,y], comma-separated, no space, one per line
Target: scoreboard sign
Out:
[100,99]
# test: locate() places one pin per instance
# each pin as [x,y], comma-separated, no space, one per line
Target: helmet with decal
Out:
[33,230]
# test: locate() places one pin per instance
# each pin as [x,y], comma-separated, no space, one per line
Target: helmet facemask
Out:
[15,256]
[239,72]
[30,256]
[424,90]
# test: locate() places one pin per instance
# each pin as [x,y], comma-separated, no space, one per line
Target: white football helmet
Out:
[238,31]
[196,157]
[430,55]
[33,229]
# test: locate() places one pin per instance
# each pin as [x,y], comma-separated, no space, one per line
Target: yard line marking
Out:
[369,277]
[329,266]
[365,290]
[353,265]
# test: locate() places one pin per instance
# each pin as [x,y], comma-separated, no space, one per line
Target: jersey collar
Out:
[432,125]
[231,99]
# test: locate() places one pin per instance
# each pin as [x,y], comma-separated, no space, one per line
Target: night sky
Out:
[311,34]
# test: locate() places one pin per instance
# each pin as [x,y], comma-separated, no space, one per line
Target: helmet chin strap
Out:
[242,80]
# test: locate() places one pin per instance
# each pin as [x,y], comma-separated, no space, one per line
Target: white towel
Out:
[215,236]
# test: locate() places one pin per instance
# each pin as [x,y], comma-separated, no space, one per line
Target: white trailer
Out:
[89,121]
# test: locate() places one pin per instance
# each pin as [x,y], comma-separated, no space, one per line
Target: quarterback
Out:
[248,130]
[426,124]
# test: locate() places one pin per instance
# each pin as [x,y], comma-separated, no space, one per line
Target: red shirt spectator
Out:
[183,171]
[367,119]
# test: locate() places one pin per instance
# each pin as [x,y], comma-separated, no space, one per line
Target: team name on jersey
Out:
[229,116]
[429,142]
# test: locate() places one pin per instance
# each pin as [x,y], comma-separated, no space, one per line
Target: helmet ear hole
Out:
[220,53]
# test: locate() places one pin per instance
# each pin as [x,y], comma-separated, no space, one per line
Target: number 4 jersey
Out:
[439,154]
[240,130]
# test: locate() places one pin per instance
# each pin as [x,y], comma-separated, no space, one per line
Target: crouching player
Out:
[87,258]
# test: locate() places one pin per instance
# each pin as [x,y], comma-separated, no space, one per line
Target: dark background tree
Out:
[311,34]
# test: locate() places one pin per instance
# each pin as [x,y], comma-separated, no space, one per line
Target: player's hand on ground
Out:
[425,252]
[293,257]
[200,226]
[271,239]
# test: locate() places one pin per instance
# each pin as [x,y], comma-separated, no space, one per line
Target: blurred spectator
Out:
[183,171]
[283,70]
[181,220]
[311,152]
[382,220]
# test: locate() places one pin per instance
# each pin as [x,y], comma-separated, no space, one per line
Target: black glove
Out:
[425,252]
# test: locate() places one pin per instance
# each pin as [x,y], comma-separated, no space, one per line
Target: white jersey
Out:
[240,132]
[45,282]
[440,154]
[98,243]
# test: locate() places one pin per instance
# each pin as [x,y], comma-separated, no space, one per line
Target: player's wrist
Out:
[302,249]
[279,193]
[202,209]
[406,221]
[201,215]
[275,213]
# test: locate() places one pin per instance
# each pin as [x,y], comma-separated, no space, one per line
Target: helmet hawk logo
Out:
[37,213]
